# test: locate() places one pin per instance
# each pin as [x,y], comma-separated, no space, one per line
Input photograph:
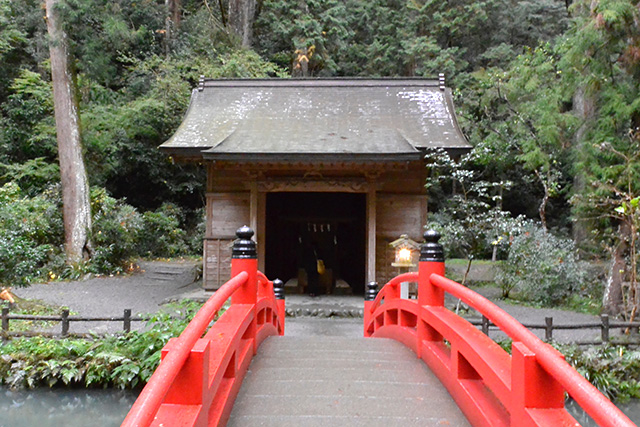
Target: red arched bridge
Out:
[201,372]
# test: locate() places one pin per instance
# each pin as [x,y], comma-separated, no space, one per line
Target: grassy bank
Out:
[123,361]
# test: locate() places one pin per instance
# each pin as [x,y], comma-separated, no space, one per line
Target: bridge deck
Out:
[338,381]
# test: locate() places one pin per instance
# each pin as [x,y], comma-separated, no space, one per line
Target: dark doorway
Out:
[304,227]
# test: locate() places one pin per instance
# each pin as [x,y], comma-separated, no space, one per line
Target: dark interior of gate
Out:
[303,228]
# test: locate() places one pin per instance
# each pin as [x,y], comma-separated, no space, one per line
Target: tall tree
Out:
[242,14]
[75,186]
[602,59]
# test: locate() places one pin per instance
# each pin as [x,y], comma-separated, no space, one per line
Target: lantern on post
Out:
[404,249]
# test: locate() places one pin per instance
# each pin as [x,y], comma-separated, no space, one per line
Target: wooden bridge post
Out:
[244,257]
[431,262]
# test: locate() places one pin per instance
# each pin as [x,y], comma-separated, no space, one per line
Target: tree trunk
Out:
[241,16]
[612,298]
[584,108]
[75,187]
[174,9]
[542,208]
[171,23]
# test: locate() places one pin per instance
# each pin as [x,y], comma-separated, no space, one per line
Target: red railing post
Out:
[431,262]
[278,292]
[369,296]
[532,387]
[244,257]
[190,386]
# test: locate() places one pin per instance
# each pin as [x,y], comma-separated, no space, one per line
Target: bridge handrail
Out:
[490,386]
[262,277]
[265,286]
[146,406]
[601,409]
[392,286]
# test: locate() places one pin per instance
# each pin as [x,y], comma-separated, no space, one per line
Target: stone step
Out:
[338,381]
[324,306]
[186,272]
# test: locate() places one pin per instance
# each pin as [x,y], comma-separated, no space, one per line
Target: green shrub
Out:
[32,236]
[116,227]
[161,235]
[542,267]
[31,232]
[196,234]
[123,361]
[476,235]
[614,370]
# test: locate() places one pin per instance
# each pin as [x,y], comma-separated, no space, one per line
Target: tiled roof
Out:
[332,119]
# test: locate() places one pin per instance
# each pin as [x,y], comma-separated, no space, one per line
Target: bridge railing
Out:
[199,376]
[492,388]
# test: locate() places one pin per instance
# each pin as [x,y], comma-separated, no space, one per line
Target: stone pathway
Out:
[333,381]
[143,292]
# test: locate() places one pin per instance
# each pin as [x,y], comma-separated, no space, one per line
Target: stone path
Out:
[336,381]
[143,292]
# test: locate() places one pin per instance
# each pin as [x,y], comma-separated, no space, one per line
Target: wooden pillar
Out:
[209,202]
[261,229]
[253,205]
[424,212]
[371,231]
[206,280]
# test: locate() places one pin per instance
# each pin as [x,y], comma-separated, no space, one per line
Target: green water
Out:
[631,409]
[62,407]
[106,408]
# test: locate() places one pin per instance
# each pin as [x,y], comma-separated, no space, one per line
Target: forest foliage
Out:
[547,92]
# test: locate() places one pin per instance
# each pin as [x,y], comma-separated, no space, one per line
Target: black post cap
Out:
[372,291]
[243,246]
[431,250]
[278,288]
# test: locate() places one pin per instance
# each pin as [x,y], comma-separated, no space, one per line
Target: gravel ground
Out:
[536,316]
[142,292]
[160,282]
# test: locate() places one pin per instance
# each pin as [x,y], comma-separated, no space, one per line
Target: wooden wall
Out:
[396,214]
[226,212]
[399,209]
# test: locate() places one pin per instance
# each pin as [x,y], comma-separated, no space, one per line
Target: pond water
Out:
[63,407]
[631,409]
[106,408]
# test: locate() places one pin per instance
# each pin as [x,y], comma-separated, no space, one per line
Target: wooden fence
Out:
[605,326]
[65,319]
